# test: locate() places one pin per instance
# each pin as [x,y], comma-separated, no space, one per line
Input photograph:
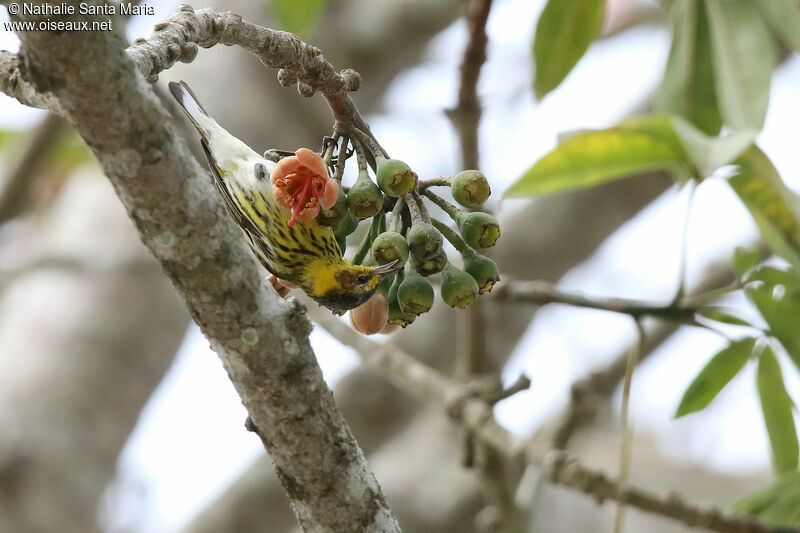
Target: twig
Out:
[542,293]
[589,392]
[466,114]
[558,467]
[177,39]
[634,355]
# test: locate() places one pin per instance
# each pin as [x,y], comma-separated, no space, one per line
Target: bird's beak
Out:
[388,268]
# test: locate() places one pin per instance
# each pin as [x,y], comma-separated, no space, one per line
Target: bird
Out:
[282,232]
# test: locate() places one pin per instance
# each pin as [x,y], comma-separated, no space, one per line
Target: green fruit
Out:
[482,269]
[415,294]
[396,315]
[394,177]
[470,188]
[333,215]
[365,198]
[386,283]
[390,246]
[347,225]
[480,230]
[459,289]
[431,264]
[423,239]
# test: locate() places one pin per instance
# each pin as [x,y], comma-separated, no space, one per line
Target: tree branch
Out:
[559,467]
[14,85]
[261,340]
[467,112]
[542,293]
[178,36]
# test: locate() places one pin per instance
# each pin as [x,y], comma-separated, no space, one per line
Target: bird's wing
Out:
[260,247]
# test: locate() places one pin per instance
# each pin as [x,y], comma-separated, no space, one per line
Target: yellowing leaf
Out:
[640,145]
[773,206]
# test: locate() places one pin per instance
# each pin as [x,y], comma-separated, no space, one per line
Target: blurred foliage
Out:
[636,146]
[776,405]
[778,504]
[717,79]
[298,16]
[716,374]
[773,206]
[565,30]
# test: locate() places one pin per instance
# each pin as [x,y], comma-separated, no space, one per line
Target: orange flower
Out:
[301,183]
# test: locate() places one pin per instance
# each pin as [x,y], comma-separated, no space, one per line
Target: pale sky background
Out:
[190,442]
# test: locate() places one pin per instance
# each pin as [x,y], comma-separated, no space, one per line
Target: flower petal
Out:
[330,195]
[283,168]
[309,213]
[312,161]
[282,197]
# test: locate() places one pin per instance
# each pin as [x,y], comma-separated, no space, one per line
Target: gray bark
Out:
[262,340]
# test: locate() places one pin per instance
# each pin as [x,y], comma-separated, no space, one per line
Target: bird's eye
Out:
[362,280]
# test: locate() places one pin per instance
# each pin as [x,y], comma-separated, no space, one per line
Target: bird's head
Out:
[343,286]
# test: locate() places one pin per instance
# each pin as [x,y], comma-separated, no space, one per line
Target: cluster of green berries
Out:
[402,231]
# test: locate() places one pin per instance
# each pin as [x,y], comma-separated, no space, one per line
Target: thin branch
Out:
[177,39]
[542,293]
[178,36]
[626,442]
[558,467]
[466,114]
[587,393]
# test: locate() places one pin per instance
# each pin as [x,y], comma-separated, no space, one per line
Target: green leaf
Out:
[564,32]
[777,504]
[744,260]
[687,88]
[777,298]
[714,376]
[783,16]
[710,153]
[298,16]
[773,206]
[636,146]
[722,315]
[743,56]
[776,406]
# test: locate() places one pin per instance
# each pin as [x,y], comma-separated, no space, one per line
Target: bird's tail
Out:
[194,110]
[223,149]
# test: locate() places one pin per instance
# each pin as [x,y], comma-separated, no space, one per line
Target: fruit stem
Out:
[328,156]
[361,157]
[416,207]
[363,248]
[367,141]
[396,222]
[341,158]
[440,181]
[454,238]
[446,206]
